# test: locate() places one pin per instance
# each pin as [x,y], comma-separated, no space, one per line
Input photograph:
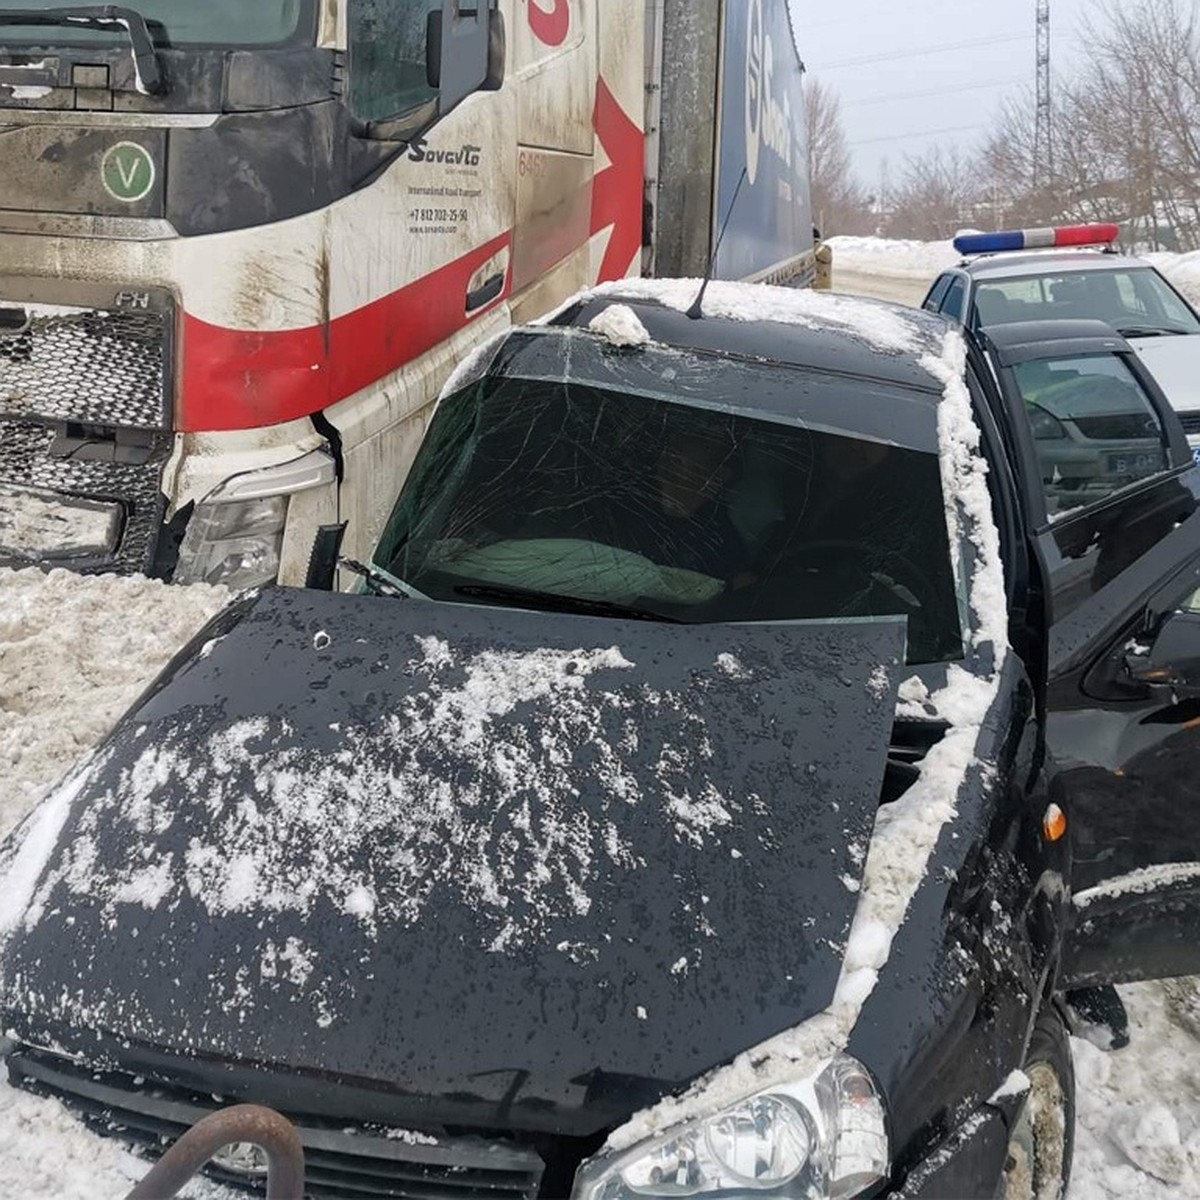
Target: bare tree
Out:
[839,203]
[938,195]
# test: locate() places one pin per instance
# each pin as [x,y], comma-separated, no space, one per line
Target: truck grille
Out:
[1118,427]
[338,1161]
[85,416]
[1190,422]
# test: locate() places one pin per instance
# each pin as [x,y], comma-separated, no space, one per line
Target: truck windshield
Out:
[180,22]
[566,496]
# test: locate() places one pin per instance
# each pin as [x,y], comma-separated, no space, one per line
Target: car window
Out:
[1136,301]
[388,43]
[933,302]
[566,489]
[955,301]
[1094,428]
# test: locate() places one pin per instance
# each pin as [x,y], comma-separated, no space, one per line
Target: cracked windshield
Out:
[551,493]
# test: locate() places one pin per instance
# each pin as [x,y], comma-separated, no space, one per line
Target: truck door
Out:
[555,55]
[1111,489]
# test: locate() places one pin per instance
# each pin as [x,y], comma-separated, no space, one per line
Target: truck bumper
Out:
[969,1164]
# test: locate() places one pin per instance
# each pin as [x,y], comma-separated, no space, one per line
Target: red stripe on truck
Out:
[245,379]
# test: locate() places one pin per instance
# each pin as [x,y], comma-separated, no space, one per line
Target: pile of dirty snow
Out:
[74,653]
[1183,270]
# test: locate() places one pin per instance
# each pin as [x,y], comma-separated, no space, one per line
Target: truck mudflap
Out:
[85,424]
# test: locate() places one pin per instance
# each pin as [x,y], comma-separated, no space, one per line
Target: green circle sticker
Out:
[128,172]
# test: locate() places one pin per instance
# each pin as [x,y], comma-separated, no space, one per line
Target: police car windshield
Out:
[1136,301]
[178,23]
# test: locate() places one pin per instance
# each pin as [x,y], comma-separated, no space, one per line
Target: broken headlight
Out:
[822,1137]
[235,536]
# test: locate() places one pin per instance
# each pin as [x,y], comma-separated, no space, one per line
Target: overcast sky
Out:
[961,87]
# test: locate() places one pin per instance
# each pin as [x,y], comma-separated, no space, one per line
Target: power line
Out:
[945,91]
[907,137]
[922,53]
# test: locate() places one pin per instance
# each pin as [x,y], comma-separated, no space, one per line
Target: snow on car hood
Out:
[434,846]
[1175,364]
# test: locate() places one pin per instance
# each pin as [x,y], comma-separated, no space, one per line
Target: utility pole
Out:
[1043,140]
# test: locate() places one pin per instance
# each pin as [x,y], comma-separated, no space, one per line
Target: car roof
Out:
[1025,341]
[833,334]
[1002,266]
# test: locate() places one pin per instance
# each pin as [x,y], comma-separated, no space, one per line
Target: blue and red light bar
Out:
[1036,239]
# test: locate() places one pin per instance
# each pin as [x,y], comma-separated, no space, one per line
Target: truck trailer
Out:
[243,245]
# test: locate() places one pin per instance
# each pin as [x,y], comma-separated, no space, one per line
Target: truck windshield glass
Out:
[180,23]
[1136,302]
[527,492]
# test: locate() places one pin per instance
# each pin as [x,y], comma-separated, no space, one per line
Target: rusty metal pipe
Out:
[243,1123]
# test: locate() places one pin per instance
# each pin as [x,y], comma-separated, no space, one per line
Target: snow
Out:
[1183,270]
[892,258]
[1017,1084]
[1143,880]
[888,330]
[620,326]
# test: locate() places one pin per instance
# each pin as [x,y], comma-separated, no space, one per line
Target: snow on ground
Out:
[74,653]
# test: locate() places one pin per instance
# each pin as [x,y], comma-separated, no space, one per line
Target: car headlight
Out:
[1046,428]
[820,1137]
[235,535]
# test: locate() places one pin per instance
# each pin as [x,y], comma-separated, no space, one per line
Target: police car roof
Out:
[1007,266]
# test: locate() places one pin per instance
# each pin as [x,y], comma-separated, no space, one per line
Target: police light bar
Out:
[1036,239]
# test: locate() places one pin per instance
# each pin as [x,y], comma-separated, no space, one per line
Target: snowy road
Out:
[75,652]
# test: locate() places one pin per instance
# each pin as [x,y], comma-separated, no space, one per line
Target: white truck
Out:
[242,245]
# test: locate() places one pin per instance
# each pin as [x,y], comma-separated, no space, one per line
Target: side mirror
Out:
[323,561]
[1172,660]
[464,51]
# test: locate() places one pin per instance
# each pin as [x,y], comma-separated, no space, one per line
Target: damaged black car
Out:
[745,734]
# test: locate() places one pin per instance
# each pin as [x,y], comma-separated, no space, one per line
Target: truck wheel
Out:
[1038,1164]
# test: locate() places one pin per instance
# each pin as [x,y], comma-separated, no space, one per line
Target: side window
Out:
[955,302]
[933,302]
[1094,428]
[388,55]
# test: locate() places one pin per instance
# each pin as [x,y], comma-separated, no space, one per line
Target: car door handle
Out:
[486,292]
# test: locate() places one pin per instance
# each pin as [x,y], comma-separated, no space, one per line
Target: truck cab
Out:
[243,246]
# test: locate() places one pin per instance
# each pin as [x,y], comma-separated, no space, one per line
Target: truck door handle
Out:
[486,292]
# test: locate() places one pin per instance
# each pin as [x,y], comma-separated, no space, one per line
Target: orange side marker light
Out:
[1054,823]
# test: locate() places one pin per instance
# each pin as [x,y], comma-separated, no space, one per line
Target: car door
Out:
[1117,545]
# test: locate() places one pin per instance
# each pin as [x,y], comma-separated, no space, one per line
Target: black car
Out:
[742,747]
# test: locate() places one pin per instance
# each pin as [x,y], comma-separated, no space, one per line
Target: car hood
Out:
[1175,364]
[510,869]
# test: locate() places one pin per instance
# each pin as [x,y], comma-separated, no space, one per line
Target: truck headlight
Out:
[820,1137]
[235,535]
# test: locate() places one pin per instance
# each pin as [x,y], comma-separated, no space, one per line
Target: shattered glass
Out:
[567,495]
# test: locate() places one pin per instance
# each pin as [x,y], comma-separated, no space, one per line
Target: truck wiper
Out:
[555,602]
[383,582]
[146,67]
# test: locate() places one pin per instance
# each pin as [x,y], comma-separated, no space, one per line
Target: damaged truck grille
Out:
[338,1161]
[85,425]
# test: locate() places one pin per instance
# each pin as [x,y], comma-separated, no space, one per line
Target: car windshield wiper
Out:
[1128,331]
[384,583]
[554,602]
[146,66]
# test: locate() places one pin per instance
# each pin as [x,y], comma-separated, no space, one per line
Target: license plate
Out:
[42,526]
[1135,465]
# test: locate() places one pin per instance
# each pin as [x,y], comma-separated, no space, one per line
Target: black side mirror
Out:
[1172,660]
[323,561]
[461,51]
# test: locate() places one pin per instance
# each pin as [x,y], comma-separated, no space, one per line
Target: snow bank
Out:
[1183,270]
[74,653]
[892,258]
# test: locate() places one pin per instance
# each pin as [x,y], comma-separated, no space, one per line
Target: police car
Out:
[1074,273]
